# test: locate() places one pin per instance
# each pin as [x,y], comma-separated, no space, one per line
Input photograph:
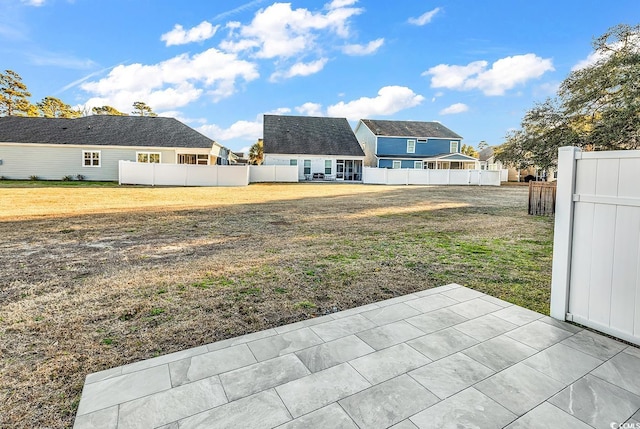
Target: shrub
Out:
[34,177]
[67,178]
[4,178]
[80,177]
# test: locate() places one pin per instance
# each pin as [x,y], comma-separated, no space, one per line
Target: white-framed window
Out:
[91,158]
[411,146]
[307,166]
[293,162]
[148,157]
[327,166]
[453,147]
[396,164]
[196,159]
[417,164]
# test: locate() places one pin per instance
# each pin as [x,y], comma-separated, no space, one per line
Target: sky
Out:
[219,66]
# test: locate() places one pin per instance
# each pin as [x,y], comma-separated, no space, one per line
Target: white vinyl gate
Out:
[596,255]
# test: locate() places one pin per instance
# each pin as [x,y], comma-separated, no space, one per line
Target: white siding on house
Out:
[368,142]
[317,162]
[53,162]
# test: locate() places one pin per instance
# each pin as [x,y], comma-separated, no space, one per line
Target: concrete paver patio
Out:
[448,357]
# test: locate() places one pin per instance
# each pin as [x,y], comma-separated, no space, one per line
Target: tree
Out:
[482,145]
[52,107]
[140,108]
[469,150]
[14,97]
[256,153]
[107,110]
[597,107]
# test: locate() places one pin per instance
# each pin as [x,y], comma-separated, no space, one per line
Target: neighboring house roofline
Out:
[408,129]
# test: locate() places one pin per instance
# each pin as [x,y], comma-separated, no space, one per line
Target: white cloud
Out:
[425,18]
[336,4]
[454,108]
[279,31]
[503,75]
[310,109]
[179,36]
[595,57]
[367,49]
[243,130]
[36,3]
[57,59]
[178,115]
[301,69]
[172,83]
[390,99]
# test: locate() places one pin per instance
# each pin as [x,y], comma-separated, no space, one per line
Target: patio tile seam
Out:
[554,405]
[588,352]
[462,390]
[291,418]
[608,382]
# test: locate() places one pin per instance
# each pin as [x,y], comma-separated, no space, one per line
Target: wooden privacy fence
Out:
[542,198]
[596,245]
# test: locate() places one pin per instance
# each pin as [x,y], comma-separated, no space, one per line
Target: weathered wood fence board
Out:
[542,198]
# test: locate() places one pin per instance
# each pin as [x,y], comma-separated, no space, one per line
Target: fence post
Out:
[562,233]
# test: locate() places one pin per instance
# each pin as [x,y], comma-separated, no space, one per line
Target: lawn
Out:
[95,277]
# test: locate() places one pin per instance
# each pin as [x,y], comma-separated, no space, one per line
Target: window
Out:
[293,162]
[90,158]
[151,157]
[411,146]
[198,159]
[417,164]
[397,164]
[453,147]
[307,166]
[327,166]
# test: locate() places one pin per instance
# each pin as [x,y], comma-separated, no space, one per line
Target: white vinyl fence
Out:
[414,176]
[273,173]
[596,248]
[138,173]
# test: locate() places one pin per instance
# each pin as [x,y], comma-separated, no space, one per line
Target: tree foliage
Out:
[52,107]
[14,96]
[141,108]
[256,153]
[597,107]
[469,150]
[107,110]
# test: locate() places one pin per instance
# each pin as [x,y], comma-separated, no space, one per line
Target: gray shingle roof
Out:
[486,153]
[309,135]
[103,130]
[410,129]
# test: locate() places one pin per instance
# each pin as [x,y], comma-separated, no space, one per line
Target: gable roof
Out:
[486,153]
[309,135]
[409,129]
[103,130]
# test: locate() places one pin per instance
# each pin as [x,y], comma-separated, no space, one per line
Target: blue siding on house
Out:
[388,163]
[398,146]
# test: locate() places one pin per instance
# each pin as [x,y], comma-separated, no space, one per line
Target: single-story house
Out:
[92,146]
[322,148]
[411,144]
[489,162]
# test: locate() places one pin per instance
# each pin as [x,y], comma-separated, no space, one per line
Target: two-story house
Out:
[411,144]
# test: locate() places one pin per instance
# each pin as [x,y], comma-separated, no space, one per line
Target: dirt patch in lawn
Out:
[95,278]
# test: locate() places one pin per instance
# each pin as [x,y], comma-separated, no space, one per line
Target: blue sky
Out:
[475,66]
